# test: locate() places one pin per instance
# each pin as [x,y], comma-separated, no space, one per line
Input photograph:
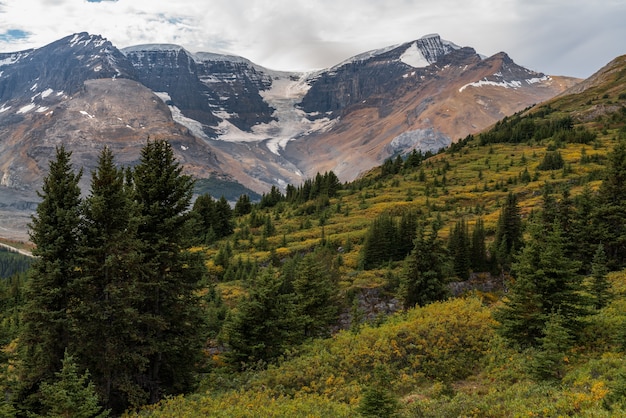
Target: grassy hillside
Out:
[444,359]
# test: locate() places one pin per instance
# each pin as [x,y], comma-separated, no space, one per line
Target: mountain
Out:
[231,119]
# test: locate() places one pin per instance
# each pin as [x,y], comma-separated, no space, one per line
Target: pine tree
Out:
[584,229]
[610,211]
[204,219]
[109,260]
[315,293]
[508,240]
[172,328]
[243,205]
[54,230]
[546,281]
[223,218]
[478,249]
[264,323]
[459,249]
[70,395]
[549,362]
[425,271]
[600,287]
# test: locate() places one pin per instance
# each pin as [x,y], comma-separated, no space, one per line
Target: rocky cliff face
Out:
[227,116]
[208,88]
[371,74]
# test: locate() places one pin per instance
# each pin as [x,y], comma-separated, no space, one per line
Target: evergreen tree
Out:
[584,229]
[459,249]
[600,287]
[54,230]
[379,242]
[264,323]
[508,240]
[109,256]
[546,281]
[315,293]
[426,270]
[223,218]
[70,395]
[204,219]
[172,328]
[478,248]
[243,205]
[610,211]
[549,362]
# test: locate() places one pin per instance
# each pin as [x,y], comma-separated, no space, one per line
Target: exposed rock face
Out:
[205,87]
[370,74]
[227,116]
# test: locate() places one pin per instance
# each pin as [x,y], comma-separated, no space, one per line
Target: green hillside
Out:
[448,358]
[486,280]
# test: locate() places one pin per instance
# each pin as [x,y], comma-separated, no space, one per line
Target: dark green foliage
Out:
[377,402]
[549,362]
[12,262]
[243,205]
[459,249]
[609,214]
[283,309]
[426,269]
[70,395]
[377,399]
[326,185]
[211,220]
[11,302]
[173,329]
[110,263]
[54,229]
[479,259]
[315,291]
[551,161]
[600,287]
[271,199]
[388,239]
[264,323]
[535,126]
[508,240]
[546,281]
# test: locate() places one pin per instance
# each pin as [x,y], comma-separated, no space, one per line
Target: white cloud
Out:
[571,37]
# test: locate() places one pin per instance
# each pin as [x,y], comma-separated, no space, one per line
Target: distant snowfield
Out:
[514,84]
[414,57]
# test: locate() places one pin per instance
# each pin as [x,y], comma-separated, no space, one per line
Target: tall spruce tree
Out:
[264,323]
[610,211]
[426,270]
[459,249]
[110,264]
[172,328]
[509,239]
[315,291]
[54,230]
[479,260]
[600,287]
[546,282]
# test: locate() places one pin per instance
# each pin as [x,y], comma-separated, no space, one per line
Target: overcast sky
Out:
[557,37]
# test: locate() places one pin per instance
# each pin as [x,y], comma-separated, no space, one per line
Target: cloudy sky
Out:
[558,37]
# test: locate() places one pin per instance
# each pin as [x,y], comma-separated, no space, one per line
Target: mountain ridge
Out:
[237,120]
